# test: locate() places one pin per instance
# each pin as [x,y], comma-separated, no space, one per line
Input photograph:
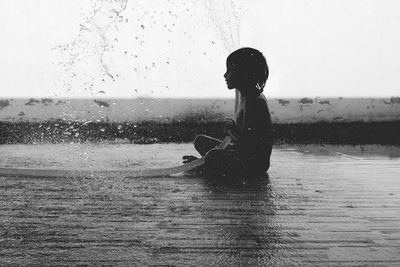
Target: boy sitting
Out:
[251,131]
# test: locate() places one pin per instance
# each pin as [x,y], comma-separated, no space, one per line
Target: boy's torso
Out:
[252,115]
[263,120]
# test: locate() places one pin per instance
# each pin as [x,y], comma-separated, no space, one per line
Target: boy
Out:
[251,131]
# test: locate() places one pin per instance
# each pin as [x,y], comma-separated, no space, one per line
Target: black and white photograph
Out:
[199,133]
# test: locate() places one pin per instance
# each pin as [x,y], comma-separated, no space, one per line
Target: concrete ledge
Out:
[305,110]
[306,120]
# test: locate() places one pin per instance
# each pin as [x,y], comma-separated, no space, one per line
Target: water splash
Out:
[225,15]
[85,59]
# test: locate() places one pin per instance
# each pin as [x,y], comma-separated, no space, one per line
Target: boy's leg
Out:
[204,143]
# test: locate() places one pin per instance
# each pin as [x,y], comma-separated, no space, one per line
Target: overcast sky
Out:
[79,48]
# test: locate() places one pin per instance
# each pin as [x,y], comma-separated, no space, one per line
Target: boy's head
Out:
[246,67]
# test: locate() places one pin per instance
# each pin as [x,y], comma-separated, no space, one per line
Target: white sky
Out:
[50,48]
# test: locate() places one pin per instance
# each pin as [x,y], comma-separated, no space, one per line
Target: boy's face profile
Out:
[234,77]
[231,75]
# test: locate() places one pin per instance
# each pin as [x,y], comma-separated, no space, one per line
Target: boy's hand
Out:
[187,159]
[230,129]
[229,126]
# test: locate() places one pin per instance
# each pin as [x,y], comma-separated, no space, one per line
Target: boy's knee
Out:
[199,139]
[200,142]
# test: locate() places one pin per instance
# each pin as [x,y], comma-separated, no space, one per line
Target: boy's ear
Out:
[248,78]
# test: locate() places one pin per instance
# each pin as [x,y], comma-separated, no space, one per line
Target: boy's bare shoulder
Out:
[261,99]
[258,102]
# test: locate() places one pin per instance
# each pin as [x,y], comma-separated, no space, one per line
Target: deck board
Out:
[313,210]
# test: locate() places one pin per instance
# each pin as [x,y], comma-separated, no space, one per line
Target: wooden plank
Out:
[327,220]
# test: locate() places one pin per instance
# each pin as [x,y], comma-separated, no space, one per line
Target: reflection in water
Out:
[348,151]
[245,214]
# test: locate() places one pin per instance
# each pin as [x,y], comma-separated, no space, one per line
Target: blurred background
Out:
[89,70]
[163,48]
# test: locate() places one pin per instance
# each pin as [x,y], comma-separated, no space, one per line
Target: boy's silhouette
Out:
[251,131]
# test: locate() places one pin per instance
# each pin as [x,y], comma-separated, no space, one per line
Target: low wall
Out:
[304,110]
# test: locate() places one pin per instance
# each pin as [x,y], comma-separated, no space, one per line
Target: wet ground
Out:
[321,205]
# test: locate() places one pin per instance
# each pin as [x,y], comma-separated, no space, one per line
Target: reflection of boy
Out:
[251,130]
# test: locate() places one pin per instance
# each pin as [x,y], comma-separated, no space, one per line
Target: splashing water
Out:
[85,59]
[86,63]
[225,17]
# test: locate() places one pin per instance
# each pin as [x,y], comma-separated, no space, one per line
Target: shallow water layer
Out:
[322,205]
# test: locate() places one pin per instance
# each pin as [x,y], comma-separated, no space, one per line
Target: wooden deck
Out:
[320,207]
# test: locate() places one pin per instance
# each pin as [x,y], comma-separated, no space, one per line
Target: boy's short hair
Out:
[252,62]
